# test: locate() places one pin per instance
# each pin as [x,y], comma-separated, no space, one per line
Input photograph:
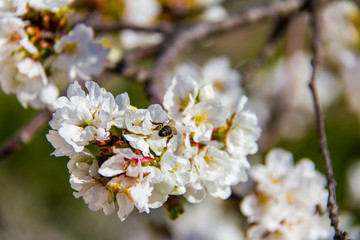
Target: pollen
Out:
[208,159]
[70,47]
[127,192]
[201,118]
[262,198]
[219,86]
[114,187]
[274,180]
[184,102]
[138,123]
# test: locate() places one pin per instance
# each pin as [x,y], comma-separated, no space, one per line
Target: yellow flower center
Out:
[208,159]
[201,118]
[70,47]
[114,187]
[183,102]
[274,180]
[219,86]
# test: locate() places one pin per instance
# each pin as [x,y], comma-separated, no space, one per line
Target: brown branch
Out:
[319,118]
[185,37]
[96,21]
[102,27]
[357,2]
[25,134]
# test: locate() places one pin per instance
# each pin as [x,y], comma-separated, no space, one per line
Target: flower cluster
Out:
[39,54]
[289,201]
[217,72]
[216,143]
[139,157]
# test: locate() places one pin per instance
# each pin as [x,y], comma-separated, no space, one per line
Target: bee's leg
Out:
[168,140]
[156,123]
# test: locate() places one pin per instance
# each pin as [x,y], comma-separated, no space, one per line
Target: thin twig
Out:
[102,27]
[319,118]
[95,20]
[25,135]
[261,12]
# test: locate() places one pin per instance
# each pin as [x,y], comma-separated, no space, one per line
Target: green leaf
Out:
[174,207]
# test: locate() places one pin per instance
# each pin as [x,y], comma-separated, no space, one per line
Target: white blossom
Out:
[214,13]
[140,157]
[208,220]
[13,37]
[27,79]
[288,200]
[180,96]
[243,132]
[83,168]
[12,8]
[200,115]
[176,169]
[218,73]
[349,74]
[81,118]
[338,17]
[52,5]
[79,54]
[131,193]
[19,7]
[132,39]
[141,12]
[203,117]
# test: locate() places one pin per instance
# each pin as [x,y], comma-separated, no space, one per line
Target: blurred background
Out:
[36,200]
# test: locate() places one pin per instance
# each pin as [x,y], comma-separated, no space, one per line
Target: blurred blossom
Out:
[53,5]
[19,7]
[214,14]
[140,13]
[347,224]
[132,39]
[340,17]
[342,49]
[289,201]
[12,8]
[13,37]
[19,74]
[26,78]
[283,88]
[146,13]
[218,73]
[353,177]
[350,75]
[79,54]
[208,220]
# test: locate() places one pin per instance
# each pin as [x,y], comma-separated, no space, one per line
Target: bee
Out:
[166,130]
